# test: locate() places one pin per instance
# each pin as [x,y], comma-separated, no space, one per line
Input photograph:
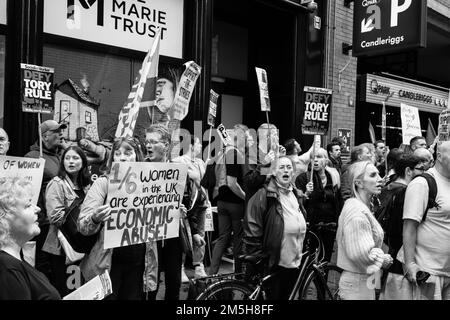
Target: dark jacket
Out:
[196,201]
[337,164]
[51,168]
[253,180]
[264,224]
[324,203]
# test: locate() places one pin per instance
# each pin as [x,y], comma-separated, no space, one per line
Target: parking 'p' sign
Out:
[387,26]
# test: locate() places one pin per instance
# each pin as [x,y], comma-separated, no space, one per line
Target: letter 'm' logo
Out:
[74,12]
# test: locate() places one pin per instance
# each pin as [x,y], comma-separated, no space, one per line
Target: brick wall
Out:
[340,69]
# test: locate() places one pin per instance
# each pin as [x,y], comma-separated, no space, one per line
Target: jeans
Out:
[127,281]
[281,285]
[230,217]
[170,257]
[354,286]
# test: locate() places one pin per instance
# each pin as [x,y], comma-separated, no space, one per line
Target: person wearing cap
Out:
[4,142]
[52,147]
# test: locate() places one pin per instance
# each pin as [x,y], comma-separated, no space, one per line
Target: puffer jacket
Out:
[264,224]
[100,259]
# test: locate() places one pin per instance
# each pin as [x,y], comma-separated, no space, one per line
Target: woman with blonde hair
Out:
[360,236]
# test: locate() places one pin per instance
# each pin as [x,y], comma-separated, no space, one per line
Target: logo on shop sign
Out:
[385,26]
[74,12]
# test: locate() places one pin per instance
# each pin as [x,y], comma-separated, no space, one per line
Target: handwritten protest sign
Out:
[37,88]
[185,89]
[145,202]
[95,289]
[212,112]
[224,135]
[346,135]
[316,118]
[443,131]
[410,123]
[261,74]
[28,168]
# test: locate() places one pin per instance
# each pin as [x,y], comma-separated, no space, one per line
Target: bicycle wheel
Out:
[314,288]
[227,290]
[333,273]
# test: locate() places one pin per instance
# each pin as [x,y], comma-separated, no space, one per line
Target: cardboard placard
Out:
[145,201]
[212,112]
[317,113]
[346,135]
[95,289]
[443,131]
[410,123]
[28,168]
[263,83]
[37,88]
[185,89]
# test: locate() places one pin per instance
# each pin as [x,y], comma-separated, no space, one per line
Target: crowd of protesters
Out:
[387,213]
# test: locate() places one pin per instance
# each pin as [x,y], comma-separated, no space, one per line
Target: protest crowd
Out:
[132,215]
[393,222]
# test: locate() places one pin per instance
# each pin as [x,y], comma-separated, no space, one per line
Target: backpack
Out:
[393,201]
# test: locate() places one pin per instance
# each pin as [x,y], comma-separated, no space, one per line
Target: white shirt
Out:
[433,235]
[294,231]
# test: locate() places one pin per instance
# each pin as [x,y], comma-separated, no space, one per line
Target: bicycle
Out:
[311,282]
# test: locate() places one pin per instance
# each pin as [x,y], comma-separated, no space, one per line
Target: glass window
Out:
[2,77]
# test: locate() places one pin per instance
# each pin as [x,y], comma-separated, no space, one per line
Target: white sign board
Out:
[261,74]
[444,126]
[95,289]
[209,220]
[145,201]
[3,14]
[129,24]
[28,168]
[410,123]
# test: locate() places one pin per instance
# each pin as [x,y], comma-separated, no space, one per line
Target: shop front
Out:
[393,91]
[99,46]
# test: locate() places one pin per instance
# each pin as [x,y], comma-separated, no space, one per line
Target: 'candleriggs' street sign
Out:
[386,26]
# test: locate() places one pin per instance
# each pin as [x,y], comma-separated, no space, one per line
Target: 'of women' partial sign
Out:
[145,201]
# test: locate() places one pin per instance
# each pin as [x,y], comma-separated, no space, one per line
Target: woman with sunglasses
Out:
[133,269]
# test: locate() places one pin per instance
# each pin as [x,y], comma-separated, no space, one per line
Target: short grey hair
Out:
[163,132]
[11,190]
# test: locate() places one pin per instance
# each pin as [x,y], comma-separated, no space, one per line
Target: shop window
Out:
[2,77]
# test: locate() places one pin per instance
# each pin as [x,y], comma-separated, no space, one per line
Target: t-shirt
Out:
[20,281]
[433,235]
[294,231]
[234,163]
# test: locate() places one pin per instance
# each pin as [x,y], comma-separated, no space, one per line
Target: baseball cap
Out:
[51,125]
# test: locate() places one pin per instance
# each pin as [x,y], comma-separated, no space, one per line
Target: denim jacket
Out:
[59,195]
[100,259]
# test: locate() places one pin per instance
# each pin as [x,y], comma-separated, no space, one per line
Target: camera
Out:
[421,277]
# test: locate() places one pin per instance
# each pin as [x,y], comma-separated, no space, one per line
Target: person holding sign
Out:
[275,227]
[63,192]
[18,225]
[133,269]
[52,146]
[4,142]
[324,202]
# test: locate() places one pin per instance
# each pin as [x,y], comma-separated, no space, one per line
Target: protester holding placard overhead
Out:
[52,145]
[18,224]
[133,269]
[64,194]
[4,142]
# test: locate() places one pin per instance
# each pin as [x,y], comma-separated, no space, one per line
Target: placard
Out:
[444,122]
[28,168]
[37,88]
[263,83]
[209,220]
[410,123]
[317,112]
[3,13]
[346,135]
[185,89]
[212,112]
[145,199]
[95,289]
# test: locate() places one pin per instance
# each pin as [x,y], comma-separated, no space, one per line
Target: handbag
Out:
[72,256]
[69,229]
